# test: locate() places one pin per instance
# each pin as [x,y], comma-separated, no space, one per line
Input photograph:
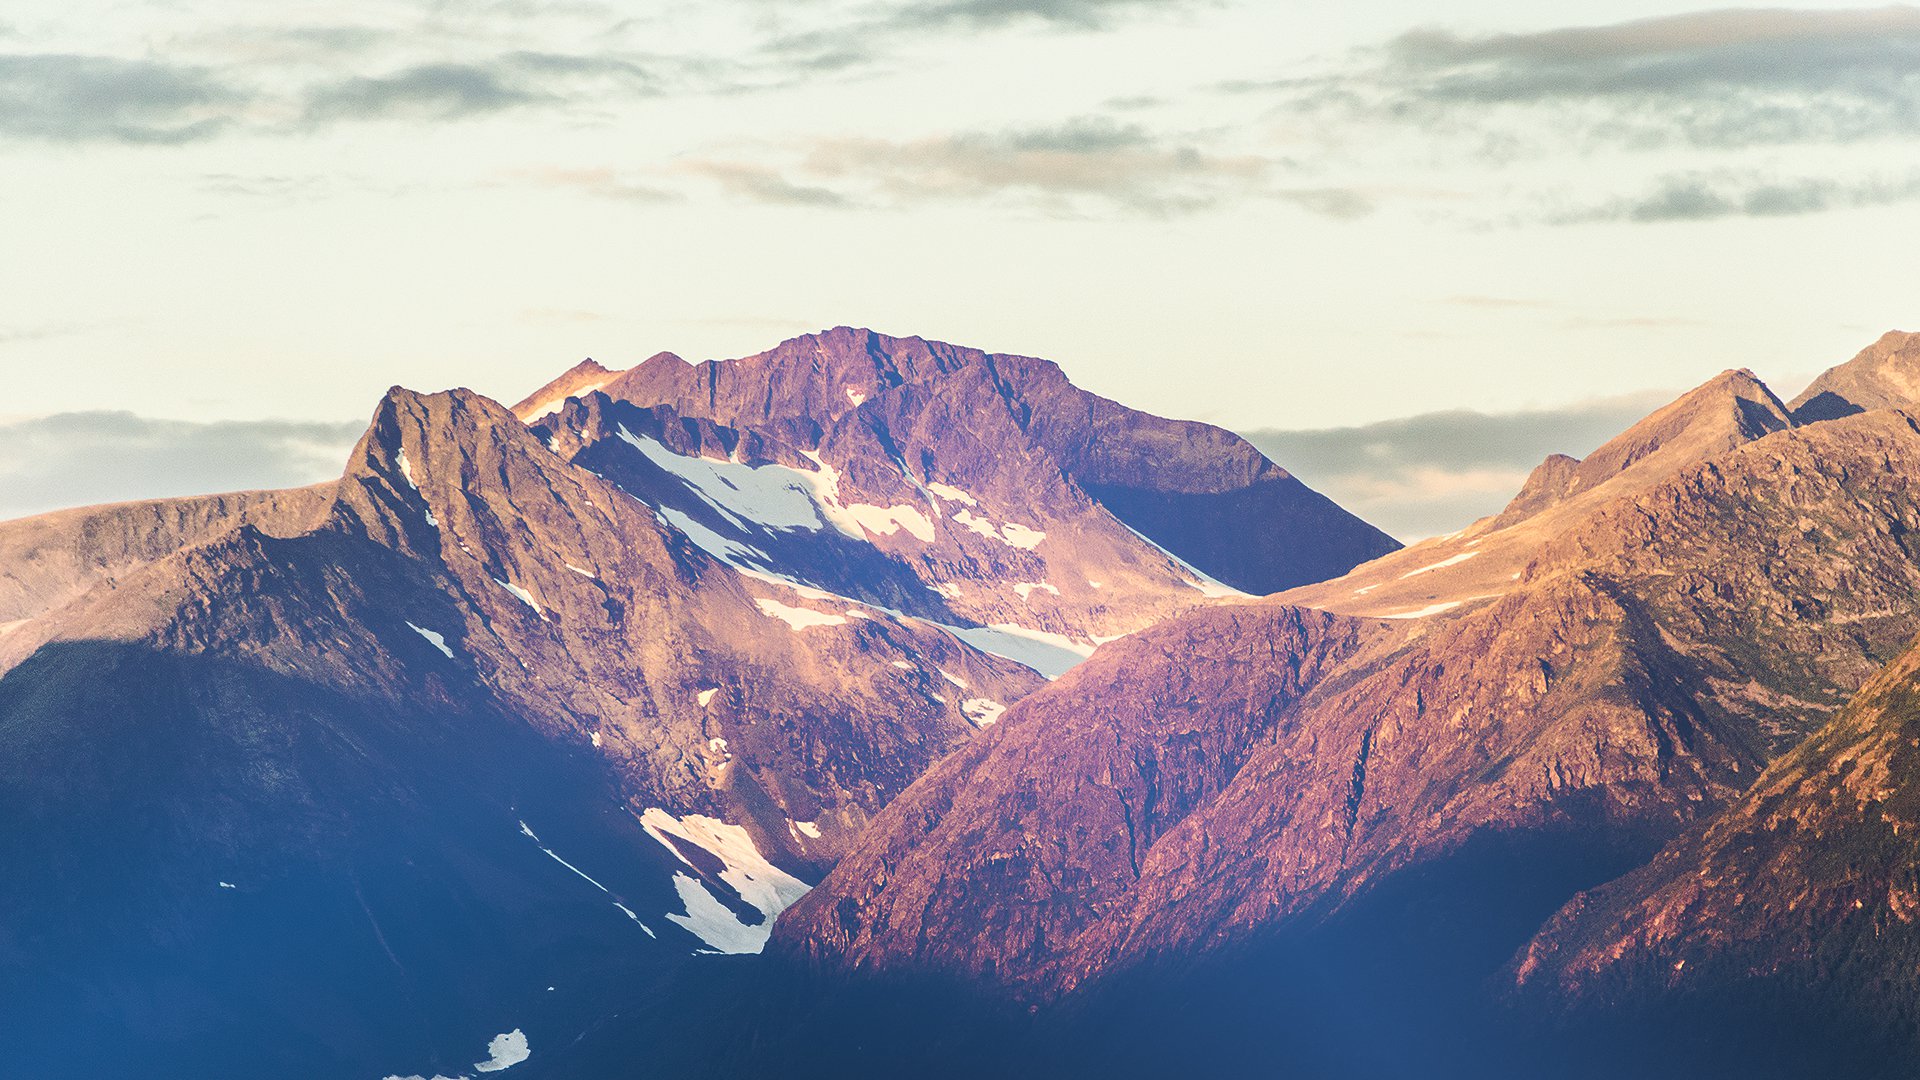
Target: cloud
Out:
[432,91]
[69,98]
[10,335]
[1719,79]
[600,182]
[1437,472]
[442,91]
[1076,14]
[1705,197]
[762,184]
[1080,166]
[79,459]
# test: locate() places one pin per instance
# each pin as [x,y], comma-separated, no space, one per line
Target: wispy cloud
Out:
[77,459]
[1077,14]
[1675,114]
[763,184]
[598,181]
[69,98]
[443,91]
[1079,166]
[1705,197]
[1718,79]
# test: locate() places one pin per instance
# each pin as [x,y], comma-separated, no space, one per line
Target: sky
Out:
[229,222]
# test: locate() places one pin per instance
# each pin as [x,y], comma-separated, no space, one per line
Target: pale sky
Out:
[1267,215]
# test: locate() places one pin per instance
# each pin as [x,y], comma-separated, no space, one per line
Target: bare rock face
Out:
[1012,432]
[1789,916]
[471,722]
[529,705]
[579,380]
[1885,375]
[50,560]
[1632,674]
[710,690]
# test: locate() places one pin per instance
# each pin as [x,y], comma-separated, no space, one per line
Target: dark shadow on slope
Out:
[386,914]
[1264,538]
[1826,405]
[1400,982]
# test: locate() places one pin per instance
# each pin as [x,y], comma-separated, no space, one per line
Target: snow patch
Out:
[582,573]
[406,470]
[505,1051]
[856,397]
[594,737]
[796,617]
[982,711]
[807,829]
[524,596]
[628,912]
[903,665]
[952,494]
[1026,589]
[860,519]
[438,641]
[1020,536]
[767,496]
[807,592]
[1450,561]
[1010,534]
[1050,654]
[1421,613]
[720,547]
[946,589]
[954,679]
[583,874]
[705,697]
[761,884]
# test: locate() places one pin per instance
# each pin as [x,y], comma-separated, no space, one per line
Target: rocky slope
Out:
[480,741]
[1885,375]
[1618,658]
[1789,918]
[50,560]
[1560,497]
[999,440]
[472,662]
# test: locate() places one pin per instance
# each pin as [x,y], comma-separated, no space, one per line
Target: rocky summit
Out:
[477,748]
[1489,722]
[874,705]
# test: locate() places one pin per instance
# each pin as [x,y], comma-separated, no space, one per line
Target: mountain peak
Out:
[1728,410]
[582,378]
[1884,375]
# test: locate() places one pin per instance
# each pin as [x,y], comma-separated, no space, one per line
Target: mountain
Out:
[53,559]
[1790,917]
[1885,375]
[579,380]
[1397,775]
[1012,432]
[1562,497]
[468,752]
[476,662]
